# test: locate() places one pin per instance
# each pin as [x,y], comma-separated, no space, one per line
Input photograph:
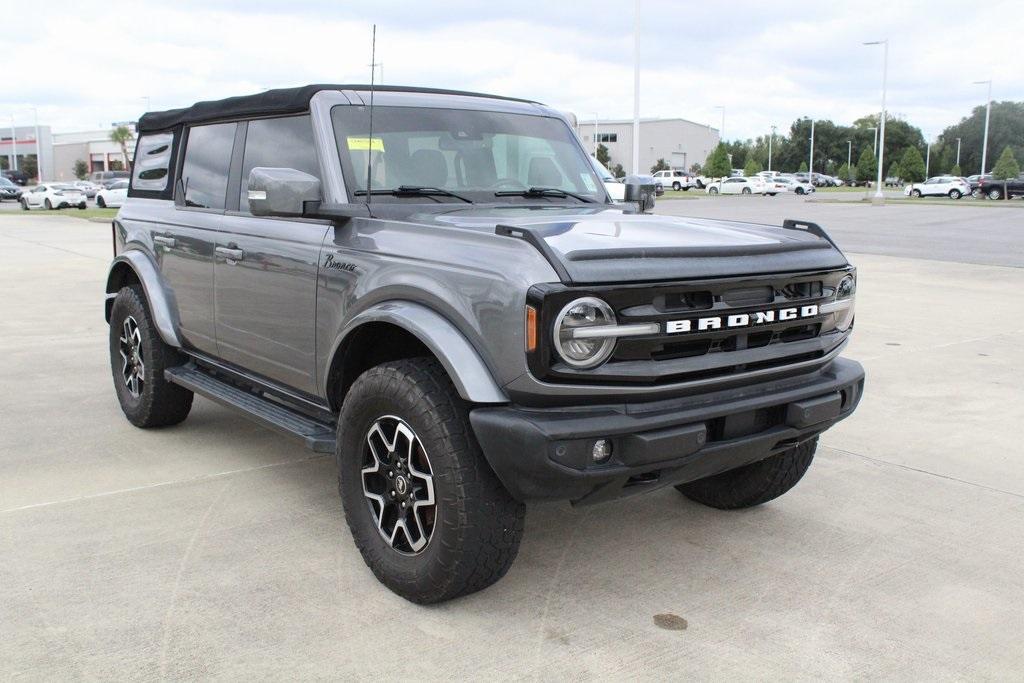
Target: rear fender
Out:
[161,304]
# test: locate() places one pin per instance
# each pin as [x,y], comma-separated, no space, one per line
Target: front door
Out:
[265,269]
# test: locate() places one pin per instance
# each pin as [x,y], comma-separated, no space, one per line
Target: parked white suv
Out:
[939,186]
[674,179]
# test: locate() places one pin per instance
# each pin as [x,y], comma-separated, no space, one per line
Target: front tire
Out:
[138,358]
[915,193]
[101,203]
[747,190]
[753,484]
[799,190]
[24,205]
[427,513]
[48,205]
[713,190]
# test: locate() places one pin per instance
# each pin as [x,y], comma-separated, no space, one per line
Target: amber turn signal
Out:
[531,329]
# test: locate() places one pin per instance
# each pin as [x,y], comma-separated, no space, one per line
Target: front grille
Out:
[700,354]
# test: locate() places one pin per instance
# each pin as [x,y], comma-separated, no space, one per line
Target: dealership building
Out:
[60,151]
[19,144]
[681,143]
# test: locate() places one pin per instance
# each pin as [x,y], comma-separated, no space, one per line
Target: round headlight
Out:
[845,291]
[573,345]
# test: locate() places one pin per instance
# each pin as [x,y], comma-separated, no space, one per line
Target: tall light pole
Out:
[874,144]
[988,111]
[39,156]
[958,151]
[14,146]
[927,158]
[849,157]
[810,160]
[881,131]
[636,87]
[770,141]
[595,134]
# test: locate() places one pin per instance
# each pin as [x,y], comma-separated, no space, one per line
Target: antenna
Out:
[369,138]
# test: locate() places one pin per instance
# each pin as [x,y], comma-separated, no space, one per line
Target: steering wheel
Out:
[507,182]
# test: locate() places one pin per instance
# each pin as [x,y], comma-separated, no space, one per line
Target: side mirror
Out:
[641,189]
[281,191]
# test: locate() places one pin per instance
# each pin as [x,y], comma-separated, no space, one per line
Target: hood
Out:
[604,245]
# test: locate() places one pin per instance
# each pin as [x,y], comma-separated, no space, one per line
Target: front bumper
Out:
[545,453]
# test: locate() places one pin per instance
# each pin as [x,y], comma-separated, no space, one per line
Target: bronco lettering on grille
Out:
[737,320]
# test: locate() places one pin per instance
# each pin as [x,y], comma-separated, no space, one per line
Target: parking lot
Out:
[218,549]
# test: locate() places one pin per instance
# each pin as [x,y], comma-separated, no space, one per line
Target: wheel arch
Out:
[134,267]
[403,329]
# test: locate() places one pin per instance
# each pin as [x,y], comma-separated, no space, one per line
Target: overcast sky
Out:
[85,66]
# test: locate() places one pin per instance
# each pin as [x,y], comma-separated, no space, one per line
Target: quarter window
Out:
[204,174]
[278,143]
[153,162]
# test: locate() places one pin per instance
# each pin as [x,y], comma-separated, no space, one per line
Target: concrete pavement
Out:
[216,548]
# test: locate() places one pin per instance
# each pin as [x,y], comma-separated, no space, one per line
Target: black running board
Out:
[318,436]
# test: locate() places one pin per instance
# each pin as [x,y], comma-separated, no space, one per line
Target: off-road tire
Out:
[160,403]
[477,525]
[753,484]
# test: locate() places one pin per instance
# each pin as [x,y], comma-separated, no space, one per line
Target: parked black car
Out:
[17,176]
[975,182]
[8,190]
[999,189]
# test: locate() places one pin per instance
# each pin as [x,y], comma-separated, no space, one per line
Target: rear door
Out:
[184,244]
[265,269]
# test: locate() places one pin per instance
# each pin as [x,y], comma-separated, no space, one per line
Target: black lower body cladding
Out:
[549,453]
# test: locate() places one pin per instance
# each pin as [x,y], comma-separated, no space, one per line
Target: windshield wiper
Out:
[414,190]
[544,192]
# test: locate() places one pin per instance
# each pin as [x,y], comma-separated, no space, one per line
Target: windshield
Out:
[471,155]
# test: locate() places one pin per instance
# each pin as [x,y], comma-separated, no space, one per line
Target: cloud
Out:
[766,63]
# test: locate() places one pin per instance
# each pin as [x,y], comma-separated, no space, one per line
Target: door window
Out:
[278,143]
[204,173]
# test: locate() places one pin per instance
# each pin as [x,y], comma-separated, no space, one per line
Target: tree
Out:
[844,172]
[867,166]
[659,165]
[1006,128]
[122,135]
[956,170]
[81,169]
[695,167]
[1007,167]
[603,156]
[895,171]
[618,171]
[912,165]
[717,164]
[752,168]
[803,167]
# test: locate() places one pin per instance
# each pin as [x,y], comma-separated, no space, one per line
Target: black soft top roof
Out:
[271,102]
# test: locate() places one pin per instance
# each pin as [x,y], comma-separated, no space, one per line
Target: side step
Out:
[317,435]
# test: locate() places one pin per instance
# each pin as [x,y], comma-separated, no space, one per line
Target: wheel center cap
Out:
[401,485]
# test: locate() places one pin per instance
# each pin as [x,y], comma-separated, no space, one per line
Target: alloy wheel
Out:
[133,369]
[399,485]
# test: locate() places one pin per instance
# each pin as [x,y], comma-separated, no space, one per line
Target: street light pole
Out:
[636,87]
[39,156]
[874,143]
[770,141]
[988,111]
[849,157]
[14,146]
[881,131]
[927,158]
[595,134]
[958,151]
[810,162]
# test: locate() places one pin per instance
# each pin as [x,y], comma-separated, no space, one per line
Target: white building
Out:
[681,143]
[94,147]
[18,144]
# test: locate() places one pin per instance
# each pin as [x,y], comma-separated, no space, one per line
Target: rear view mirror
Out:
[281,191]
[641,189]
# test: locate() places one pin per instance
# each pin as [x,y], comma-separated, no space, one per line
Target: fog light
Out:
[602,450]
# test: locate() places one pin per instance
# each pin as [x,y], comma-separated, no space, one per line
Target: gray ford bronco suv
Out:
[435,287]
